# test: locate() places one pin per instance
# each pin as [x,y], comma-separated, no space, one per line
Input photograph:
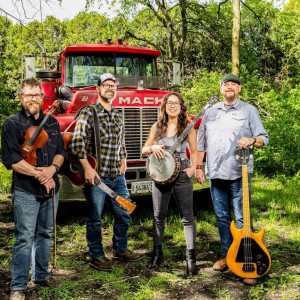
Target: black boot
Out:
[157,257]
[191,268]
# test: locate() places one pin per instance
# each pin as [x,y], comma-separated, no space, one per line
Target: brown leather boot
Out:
[127,256]
[102,264]
[221,264]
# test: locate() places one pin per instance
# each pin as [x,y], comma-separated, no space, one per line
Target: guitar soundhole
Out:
[251,253]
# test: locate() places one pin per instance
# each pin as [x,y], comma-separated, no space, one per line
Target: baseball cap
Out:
[230,77]
[107,76]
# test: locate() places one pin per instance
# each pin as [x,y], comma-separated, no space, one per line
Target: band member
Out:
[112,173]
[227,126]
[163,134]
[32,189]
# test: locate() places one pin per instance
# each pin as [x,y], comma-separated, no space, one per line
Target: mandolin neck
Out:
[186,131]
[246,202]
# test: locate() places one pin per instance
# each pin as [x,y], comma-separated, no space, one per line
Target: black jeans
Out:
[182,189]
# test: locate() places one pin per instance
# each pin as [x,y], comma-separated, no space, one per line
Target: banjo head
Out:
[163,170]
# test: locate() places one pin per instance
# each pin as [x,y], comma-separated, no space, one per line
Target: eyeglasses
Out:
[175,104]
[36,96]
[226,85]
[110,86]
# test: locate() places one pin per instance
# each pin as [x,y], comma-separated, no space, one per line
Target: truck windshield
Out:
[85,69]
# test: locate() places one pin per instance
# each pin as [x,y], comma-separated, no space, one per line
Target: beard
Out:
[229,96]
[105,96]
[33,109]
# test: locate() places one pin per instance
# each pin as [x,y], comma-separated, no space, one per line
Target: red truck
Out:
[139,96]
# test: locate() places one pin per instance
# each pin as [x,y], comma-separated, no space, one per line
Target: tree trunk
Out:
[236,37]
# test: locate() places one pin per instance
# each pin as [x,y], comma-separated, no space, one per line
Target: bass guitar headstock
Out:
[245,154]
[126,204]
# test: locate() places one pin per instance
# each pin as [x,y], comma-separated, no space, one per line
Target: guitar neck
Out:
[107,190]
[186,131]
[246,202]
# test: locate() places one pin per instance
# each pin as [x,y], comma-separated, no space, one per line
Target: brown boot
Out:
[102,264]
[221,264]
[250,281]
[127,256]
[50,282]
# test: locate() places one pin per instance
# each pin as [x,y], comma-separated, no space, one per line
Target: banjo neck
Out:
[181,138]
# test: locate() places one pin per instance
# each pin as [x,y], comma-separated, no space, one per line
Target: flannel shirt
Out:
[112,141]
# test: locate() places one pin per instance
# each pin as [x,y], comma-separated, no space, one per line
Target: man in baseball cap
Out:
[226,128]
[112,173]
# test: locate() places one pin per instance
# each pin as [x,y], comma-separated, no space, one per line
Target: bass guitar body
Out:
[248,257]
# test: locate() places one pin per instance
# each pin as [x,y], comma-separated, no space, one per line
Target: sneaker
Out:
[50,282]
[17,295]
[102,264]
[127,256]
[250,281]
[221,264]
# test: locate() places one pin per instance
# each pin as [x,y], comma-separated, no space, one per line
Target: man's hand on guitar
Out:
[200,176]
[158,150]
[90,174]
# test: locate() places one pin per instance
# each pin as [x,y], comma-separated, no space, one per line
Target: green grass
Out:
[275,207]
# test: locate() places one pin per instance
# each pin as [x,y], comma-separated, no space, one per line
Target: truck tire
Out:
[48,74]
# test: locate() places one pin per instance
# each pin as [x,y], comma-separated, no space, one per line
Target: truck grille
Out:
[138,122]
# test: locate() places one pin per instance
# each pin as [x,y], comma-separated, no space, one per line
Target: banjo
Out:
[165,170]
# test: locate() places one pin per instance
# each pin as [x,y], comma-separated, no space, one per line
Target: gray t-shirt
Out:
[219,132]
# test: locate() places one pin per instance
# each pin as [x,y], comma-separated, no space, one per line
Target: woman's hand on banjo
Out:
[158,151]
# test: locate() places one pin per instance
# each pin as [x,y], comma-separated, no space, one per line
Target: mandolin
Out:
[73,169]
[247,256]
[35,137]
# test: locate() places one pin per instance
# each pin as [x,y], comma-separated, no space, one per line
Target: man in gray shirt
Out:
[227,127]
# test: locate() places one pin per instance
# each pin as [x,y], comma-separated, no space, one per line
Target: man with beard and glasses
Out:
[227,127]
[112,173]
[33,187]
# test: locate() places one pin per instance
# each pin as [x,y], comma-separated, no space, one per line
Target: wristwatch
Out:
[254,140]
[56,167]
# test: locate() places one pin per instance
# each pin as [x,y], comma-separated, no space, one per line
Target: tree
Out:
[236,37]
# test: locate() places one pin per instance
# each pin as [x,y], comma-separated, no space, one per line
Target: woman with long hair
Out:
[172,122]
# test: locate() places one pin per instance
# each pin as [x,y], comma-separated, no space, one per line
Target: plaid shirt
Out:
[112,140]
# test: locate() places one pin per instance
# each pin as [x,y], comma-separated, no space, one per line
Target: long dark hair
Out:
[162,124]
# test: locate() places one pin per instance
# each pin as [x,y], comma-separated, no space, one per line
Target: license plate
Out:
[140,187]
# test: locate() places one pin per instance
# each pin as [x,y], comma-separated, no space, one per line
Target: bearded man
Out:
[111,173]
[227,127]
[33,187]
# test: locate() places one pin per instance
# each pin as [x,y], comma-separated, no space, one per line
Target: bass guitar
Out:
[73,169]
[247,256]
[165,170]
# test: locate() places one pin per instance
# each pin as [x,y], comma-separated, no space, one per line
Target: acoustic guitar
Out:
[73,169]
[247,256]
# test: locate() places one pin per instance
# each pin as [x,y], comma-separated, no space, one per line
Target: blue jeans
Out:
[222,193]
[95,198]
[33,220]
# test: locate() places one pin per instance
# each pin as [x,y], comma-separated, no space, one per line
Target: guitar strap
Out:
[97,138]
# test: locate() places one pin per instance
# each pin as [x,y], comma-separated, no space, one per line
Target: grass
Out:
[275,207]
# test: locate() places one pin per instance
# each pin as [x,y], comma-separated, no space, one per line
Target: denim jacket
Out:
[13,132]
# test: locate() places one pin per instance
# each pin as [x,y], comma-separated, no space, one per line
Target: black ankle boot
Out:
[157,257]
[191,268]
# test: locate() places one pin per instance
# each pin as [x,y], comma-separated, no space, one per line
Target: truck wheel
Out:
[48,74]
